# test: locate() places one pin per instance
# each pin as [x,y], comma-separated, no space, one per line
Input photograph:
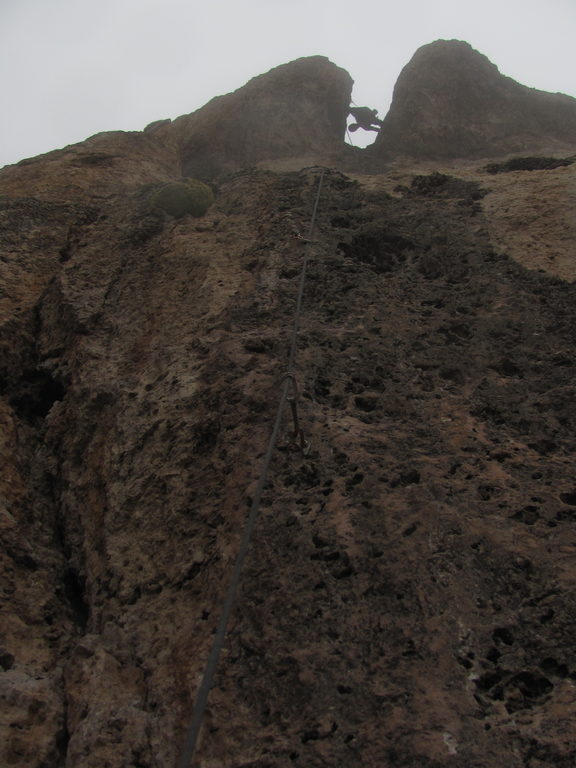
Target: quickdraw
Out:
[298,434]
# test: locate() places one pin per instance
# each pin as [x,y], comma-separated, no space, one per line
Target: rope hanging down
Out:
[187,754]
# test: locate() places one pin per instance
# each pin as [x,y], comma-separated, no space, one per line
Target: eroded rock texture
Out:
[409,594]
[452,102]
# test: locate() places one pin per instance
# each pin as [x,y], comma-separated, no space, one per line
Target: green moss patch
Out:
[183,197]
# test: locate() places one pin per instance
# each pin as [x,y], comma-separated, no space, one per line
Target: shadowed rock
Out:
[450,101]
[296,109]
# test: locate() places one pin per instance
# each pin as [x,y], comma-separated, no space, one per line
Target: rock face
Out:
[297,109]
[451,102]
[409,595]
[105,164]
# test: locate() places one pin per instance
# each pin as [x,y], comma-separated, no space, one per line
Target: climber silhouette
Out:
[366,118]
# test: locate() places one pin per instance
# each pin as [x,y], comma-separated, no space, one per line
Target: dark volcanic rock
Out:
[299,108]
[408,598]
[451,102]
[529,164]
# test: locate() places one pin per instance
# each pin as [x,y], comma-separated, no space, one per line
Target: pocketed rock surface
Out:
[408,597]
[409,593]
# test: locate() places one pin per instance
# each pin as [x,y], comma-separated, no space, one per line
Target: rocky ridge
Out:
[450,101]
[408,598]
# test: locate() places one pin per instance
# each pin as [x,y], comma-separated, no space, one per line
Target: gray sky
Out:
[72,68]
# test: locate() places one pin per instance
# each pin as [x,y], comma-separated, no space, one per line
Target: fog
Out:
[72,68]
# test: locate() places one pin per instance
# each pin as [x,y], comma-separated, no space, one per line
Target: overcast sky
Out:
[72,68]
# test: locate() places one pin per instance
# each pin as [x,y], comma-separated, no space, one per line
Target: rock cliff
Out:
[451,102]
[408,597]
[295,110]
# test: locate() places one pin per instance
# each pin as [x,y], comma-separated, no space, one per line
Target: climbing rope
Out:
[293,401]
[189,749]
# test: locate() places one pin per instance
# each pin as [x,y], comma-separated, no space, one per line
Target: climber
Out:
[366,118]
